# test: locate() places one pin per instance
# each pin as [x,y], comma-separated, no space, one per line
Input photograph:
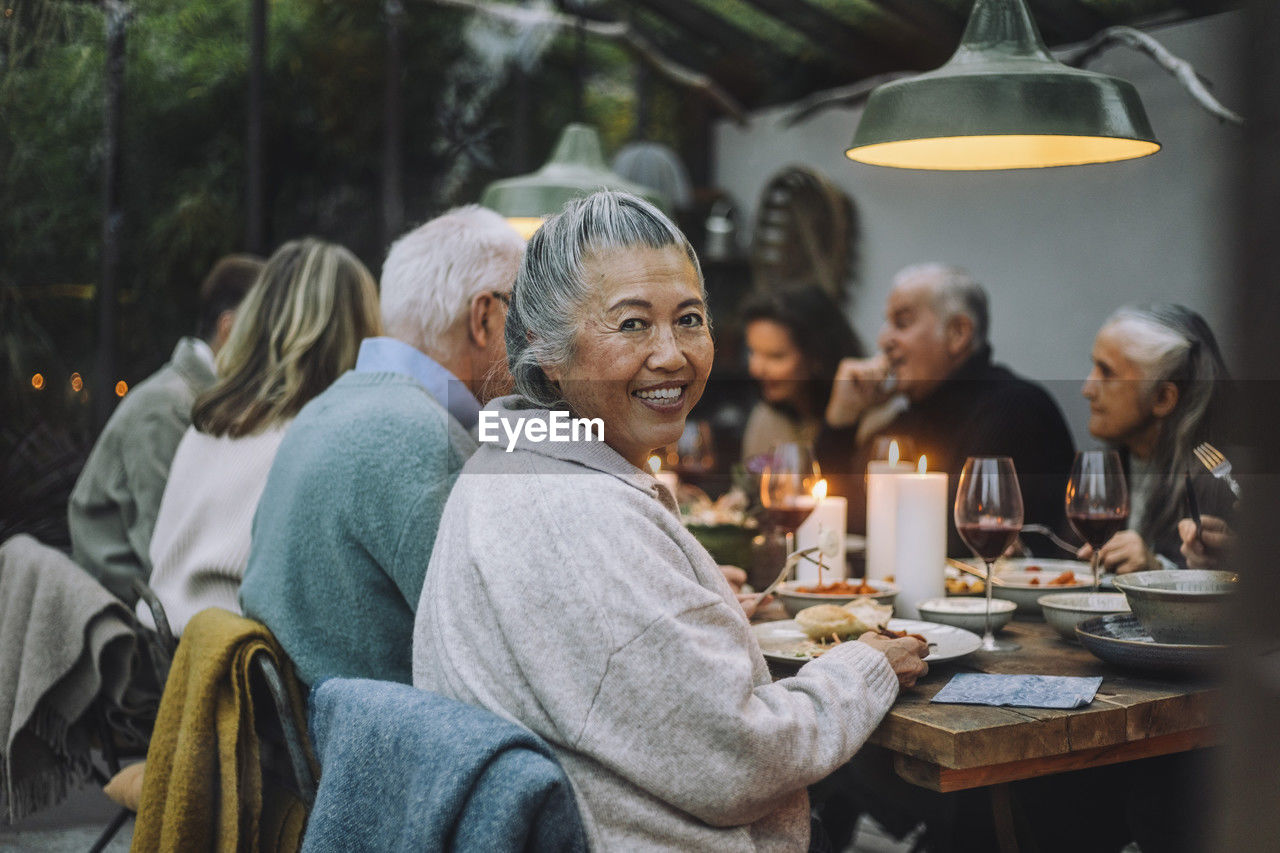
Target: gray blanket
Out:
[64,640]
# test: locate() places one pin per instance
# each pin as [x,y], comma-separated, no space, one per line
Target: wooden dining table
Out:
[952,747]
[945,747]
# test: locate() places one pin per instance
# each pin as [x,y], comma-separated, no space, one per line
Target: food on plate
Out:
[898,635]
[1031,568]
[963,586]
[1067,578]
[826,621]
[839,588]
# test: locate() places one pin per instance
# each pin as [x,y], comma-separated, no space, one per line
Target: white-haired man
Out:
[958,403]
[346,524]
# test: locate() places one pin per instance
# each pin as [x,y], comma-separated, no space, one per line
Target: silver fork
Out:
[1047,532]
[1218,465]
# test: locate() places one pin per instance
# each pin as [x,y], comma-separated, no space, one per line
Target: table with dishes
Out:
[1155,698]
[1141,648]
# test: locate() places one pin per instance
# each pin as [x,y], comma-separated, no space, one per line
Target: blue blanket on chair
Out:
[405,769]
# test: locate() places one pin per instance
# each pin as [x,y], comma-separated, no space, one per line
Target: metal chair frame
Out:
[164,645]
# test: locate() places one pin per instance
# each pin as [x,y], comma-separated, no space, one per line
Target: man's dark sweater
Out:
[982,409]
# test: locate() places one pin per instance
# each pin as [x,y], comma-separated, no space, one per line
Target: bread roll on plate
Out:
[857,617]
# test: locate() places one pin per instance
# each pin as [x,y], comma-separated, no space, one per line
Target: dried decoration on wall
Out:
[805,233]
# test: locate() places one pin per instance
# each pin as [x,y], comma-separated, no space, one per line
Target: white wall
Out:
[1057,249]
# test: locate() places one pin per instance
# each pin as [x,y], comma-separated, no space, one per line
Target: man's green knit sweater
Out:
[346,524]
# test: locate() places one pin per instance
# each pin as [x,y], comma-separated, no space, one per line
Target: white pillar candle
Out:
[881,509]
[824,528]
[920,540]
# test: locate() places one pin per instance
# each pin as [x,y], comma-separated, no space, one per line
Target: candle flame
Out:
[819,490]
[655,464]
[893,452]
[923,466]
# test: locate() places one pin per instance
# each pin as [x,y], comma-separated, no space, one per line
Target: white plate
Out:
[786,642]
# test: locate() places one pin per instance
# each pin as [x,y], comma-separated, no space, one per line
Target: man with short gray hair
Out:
[935,354]
[348,518]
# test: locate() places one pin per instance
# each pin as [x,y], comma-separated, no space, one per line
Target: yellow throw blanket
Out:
[202,789]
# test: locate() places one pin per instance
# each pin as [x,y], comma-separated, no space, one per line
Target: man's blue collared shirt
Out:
[388,355]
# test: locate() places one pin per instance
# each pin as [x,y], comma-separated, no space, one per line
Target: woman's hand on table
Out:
[1124,553]
[1208,548]
[905,655]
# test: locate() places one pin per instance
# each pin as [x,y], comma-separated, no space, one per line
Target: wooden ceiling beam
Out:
[849,47]
[727,35]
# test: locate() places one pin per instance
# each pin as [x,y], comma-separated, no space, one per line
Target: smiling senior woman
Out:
[564,594]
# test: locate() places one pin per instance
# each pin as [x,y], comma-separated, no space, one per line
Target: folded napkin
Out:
[1022,691]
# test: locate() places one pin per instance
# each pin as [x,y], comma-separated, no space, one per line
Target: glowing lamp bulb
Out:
[655,464]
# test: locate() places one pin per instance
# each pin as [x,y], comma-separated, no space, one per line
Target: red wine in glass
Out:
[786,488]
[989,539]
[788,518]
[1097,501]
[988,516]
[1097,528]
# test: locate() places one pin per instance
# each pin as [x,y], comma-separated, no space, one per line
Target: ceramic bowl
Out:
[1064,610]
[1024,587]
[1181,605]
[967,613]
[794,601]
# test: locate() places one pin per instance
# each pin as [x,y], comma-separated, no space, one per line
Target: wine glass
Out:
[989,517]
[786,487]
[1097,501]
[695,449]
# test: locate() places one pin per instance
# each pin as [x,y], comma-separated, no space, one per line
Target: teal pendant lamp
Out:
[1002,102]
[576,169]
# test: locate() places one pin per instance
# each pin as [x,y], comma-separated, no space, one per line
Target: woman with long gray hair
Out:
[564,592]
[1157,382]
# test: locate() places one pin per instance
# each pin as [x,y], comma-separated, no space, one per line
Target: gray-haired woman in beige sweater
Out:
[564,593]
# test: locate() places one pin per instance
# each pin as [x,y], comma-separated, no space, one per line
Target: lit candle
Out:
[825,529]
[920,538]
[667,478]
[881,510]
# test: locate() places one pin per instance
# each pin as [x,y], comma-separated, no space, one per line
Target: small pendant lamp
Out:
[1002,102]
[576,169]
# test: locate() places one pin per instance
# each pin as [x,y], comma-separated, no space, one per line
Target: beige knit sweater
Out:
[200,544]
[564,594]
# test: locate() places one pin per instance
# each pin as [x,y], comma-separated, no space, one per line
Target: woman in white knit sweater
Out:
[563,592]
[298,329]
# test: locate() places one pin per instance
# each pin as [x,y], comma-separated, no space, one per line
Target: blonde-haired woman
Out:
[298,330]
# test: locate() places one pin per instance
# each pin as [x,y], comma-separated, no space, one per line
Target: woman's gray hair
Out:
[1170,343]
[551,287]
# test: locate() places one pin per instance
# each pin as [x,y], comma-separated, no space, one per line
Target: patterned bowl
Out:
[1119,639]
[1180,605]
[1064,610]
